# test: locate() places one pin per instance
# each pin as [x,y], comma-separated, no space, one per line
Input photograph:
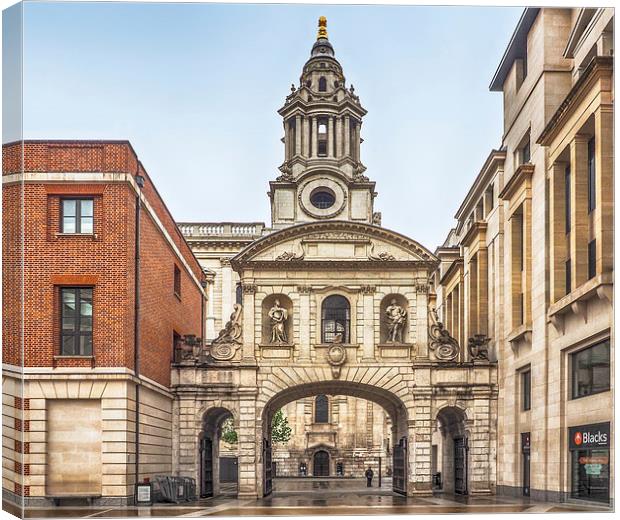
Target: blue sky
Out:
[195,88]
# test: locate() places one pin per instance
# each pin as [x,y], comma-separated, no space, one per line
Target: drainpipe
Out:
[140,184]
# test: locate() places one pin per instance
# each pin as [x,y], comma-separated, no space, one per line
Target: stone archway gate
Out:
[413,378]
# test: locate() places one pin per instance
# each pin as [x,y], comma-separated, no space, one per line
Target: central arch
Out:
[398,410]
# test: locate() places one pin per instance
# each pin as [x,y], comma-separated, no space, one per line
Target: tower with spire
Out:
[322,176]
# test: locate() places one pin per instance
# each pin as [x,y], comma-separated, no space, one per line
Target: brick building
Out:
[71,367]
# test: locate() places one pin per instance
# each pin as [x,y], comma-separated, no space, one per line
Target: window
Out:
[321,409]
[239,294]
[335,317]
[591,177]
[525,152]
[322,84]
[322,198]
[590,474]
[526,390]
[591,259]
[590,370]
[567,270]
[177,281]
[77,216]
[76,318]
[567,200]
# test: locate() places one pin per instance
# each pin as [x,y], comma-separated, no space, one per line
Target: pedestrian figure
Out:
[369,474]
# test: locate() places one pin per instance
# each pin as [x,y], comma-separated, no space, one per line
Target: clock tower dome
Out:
[322,173]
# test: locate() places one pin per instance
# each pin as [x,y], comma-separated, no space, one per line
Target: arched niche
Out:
[386,302]
[268,304]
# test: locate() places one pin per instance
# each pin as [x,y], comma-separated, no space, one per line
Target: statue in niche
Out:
[278,316]
[396,318]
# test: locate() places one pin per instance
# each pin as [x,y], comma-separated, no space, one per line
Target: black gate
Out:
[228,469]
[206,467]
[267,468]
[460,465]
[399,467]
[321,464]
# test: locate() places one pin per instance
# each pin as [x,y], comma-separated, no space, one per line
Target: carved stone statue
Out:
[278,316]
[396,318]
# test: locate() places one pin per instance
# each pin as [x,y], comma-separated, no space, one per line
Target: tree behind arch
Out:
[280,430]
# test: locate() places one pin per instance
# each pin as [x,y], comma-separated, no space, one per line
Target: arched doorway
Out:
[321,459]
[320,464]
[454,449]
[210,472]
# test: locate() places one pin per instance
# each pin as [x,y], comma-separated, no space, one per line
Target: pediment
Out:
[334,241]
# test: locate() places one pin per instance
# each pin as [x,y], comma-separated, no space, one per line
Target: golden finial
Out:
[322,28]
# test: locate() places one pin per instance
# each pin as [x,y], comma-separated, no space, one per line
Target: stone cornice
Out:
[455,268]
[600,67]
[477,230]
[523,174]
[301,230]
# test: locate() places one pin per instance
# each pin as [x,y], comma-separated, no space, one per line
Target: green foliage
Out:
[280,430]
[229,434]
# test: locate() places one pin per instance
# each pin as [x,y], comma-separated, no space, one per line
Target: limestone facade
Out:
[530,261]
[360,322]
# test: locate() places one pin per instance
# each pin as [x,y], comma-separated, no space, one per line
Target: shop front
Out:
[589,461]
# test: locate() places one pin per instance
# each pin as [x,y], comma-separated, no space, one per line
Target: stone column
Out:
[210,331]
[306,136]
[420,319]
[357,136]
[297,135]
[330,136]
[347,135]
[557,231]
[368,352]
[579,210]
[249,448]
[604,213]
[315,136]
[249,290]
[339,136]
[304,322]
[420,430]
[228,290]
[483,298]
[479,448]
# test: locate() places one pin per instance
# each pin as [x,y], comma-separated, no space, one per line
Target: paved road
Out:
[319,497]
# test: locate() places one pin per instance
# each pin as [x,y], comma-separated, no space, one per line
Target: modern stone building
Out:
[530,262]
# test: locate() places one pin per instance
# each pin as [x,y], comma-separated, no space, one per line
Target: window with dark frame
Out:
[590,370]
[321,409]
[335,318]
[526,390]
[567,279]
[77,216]
[322,84]
[591,259]
[591,176]
[76,321]
[177,281]
[567,207]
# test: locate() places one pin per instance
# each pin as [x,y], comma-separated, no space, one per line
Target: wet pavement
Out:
[309,496]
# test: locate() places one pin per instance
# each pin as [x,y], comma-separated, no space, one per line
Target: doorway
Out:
[321,464]
[460,465]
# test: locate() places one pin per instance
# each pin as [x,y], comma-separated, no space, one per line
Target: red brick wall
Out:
[12,274]
[105,261]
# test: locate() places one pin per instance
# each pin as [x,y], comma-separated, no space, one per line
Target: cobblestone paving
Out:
[294,497]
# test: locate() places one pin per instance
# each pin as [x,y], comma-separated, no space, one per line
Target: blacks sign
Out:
[589,436]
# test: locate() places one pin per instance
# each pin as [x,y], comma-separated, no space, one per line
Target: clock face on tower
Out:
[322,197]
